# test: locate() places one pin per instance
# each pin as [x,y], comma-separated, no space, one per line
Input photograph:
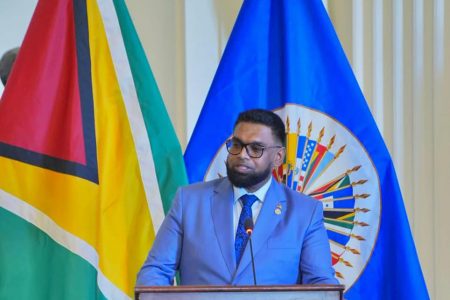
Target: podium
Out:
[260,292]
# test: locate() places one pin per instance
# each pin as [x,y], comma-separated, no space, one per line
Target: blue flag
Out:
[284,55]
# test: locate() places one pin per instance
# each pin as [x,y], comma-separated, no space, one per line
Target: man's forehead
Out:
[253,132]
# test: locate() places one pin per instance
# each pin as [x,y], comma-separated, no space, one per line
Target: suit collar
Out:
[222,216]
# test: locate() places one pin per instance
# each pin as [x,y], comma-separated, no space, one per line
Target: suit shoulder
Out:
[299,197]
[202,186]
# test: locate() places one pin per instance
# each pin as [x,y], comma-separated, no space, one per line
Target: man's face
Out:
[251,173]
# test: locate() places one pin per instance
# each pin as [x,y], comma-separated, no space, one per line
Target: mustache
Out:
[240,162]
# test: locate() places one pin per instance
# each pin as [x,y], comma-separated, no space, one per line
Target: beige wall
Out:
[400,52]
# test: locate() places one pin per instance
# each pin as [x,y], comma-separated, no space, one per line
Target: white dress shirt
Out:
[256,207]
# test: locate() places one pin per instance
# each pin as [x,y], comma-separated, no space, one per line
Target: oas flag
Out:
[88,158]
[284,55]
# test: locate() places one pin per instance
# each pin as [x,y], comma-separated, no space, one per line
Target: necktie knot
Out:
[248,200]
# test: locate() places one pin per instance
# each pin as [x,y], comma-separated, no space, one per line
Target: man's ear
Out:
[279,157]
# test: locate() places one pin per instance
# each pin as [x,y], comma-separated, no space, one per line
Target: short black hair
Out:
[267,118]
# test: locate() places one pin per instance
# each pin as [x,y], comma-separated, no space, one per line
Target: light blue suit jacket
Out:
[197,239]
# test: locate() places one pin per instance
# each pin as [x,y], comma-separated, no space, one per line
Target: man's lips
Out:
[242,168]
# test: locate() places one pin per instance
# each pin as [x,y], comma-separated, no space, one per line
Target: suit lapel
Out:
[222,216]
[265,224]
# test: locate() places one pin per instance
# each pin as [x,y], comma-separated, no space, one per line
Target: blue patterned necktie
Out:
[241,235]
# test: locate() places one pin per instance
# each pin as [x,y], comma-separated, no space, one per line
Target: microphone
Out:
[248,225]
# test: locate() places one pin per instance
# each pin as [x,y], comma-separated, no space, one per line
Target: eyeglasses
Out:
[254,150]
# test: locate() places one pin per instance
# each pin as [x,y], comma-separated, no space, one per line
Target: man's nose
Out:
[244,153]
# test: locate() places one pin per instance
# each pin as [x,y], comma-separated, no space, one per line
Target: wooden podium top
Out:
[239,292]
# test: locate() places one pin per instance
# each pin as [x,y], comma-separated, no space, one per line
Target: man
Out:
[6,63]
[203,235]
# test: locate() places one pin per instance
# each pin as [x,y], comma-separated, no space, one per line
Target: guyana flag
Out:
[88,158]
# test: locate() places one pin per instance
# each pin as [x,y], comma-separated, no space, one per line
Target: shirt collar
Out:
[260,193]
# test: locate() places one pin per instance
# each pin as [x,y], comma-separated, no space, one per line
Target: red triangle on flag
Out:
[40,108]
[41,111]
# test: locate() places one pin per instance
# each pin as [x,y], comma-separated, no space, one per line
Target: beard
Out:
[246,180]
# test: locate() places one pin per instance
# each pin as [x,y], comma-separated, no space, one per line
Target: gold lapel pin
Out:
[278,209]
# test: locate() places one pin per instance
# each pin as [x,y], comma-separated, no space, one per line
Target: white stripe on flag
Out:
[126,82]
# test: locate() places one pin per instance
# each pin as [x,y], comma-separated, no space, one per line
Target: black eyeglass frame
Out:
[229,142]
